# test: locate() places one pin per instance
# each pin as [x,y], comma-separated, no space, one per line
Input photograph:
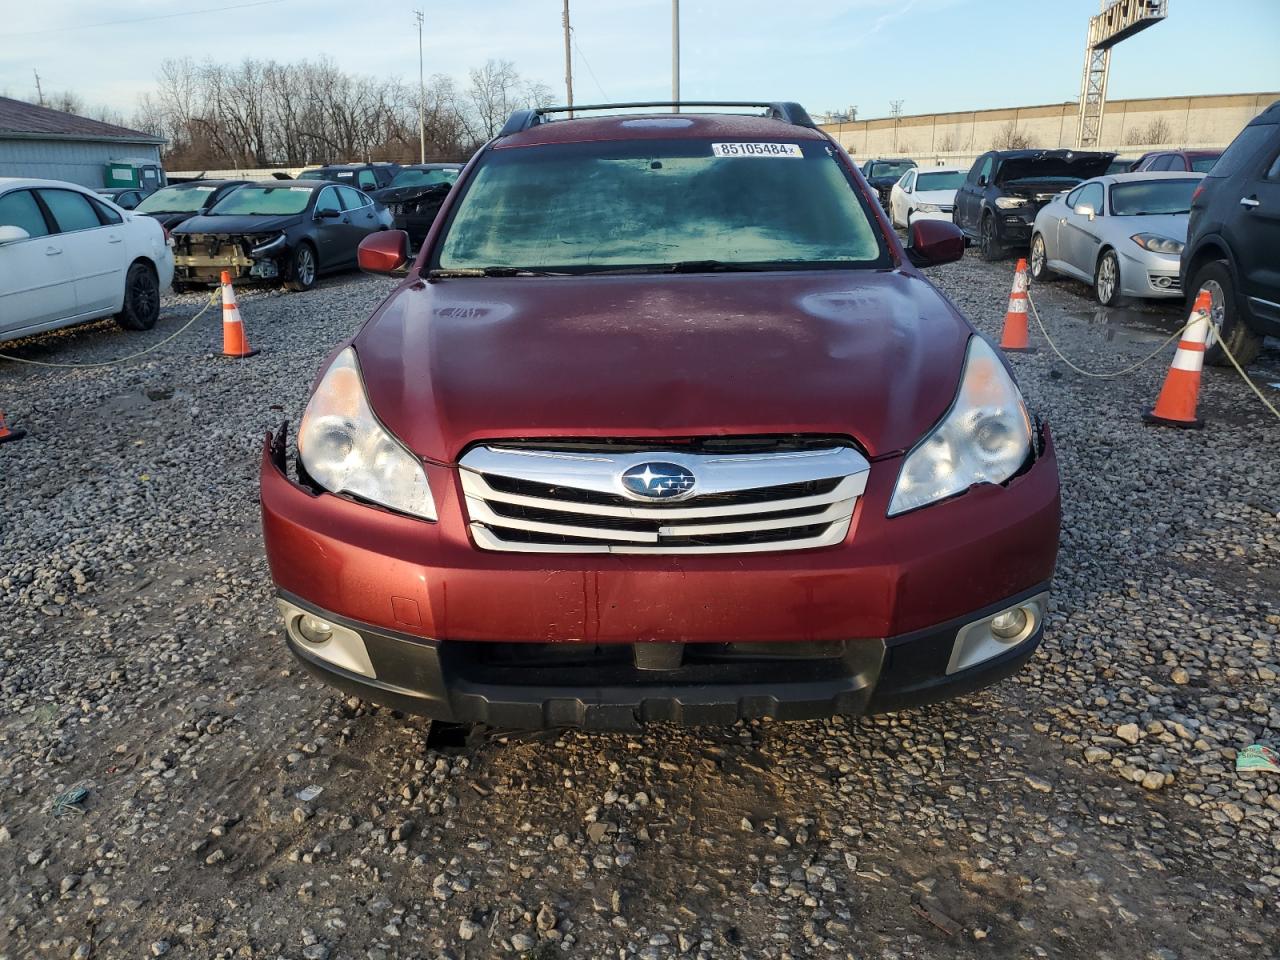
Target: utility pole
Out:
[895,108]
[39,89]
[568,59]
[675,53]
[422,96]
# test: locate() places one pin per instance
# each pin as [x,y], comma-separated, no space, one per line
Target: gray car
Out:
[1122,234]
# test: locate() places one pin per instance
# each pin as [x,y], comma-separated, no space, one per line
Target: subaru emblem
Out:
[658,481]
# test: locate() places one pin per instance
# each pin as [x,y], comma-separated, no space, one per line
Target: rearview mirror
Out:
[934,242]
[13,234]
[386,251]
[1084,210]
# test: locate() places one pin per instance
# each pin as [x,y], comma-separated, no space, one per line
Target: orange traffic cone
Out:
[1176,405]
[234,342]
[6,434]
[1014,339]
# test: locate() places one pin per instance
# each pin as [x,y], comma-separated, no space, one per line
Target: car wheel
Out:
[141,298]
[302,268]
[1106,280]
[1244,344]
[1040,271]
[988,246]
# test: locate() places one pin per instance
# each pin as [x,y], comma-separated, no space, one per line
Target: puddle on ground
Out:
[1131,324]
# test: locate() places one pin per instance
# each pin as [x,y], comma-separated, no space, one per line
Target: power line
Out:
[587,63]
[159,16]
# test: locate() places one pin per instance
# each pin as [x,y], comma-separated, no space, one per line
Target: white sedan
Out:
[926,193]
[68,256]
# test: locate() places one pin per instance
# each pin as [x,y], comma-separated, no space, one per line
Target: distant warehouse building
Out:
[39,142]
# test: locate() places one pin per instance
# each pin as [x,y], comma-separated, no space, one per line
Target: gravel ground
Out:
[1088,808]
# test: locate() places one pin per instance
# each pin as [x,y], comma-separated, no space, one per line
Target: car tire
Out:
[1106,280]
[1038,261]
[302,268]
[1244,344]
[141,307]
[989,247]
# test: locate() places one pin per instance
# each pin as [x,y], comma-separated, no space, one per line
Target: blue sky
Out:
[932,54]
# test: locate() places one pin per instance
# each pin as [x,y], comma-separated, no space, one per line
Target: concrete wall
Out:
[76,161]
[1209,121]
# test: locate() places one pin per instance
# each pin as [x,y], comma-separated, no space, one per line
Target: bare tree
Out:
[1009,137]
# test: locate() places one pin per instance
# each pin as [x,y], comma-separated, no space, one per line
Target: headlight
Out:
[266,245]
[1010,203]
[928,208]
[346,450]
[1155,243]
[984,438]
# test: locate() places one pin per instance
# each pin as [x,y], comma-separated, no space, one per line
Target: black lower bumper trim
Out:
[448,681]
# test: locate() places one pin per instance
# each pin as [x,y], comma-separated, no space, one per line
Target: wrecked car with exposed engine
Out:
[415,196]
[289,231]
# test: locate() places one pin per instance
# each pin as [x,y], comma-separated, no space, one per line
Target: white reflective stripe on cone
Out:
[1017,306]
[1190,360]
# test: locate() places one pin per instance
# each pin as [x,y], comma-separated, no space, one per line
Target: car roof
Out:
[658,126]
[10,183]
[432,166]
[353,166]
[1269,115]
[311,185]
[920,169]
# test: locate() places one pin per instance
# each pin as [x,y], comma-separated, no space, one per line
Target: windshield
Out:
[890,168]
[175,200]
[1152,197]
[1204,164]
[939,181]
[262,201]
[423,178]
[655,205]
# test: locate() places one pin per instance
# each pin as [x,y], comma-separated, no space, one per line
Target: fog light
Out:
[1010,624]
[314,630]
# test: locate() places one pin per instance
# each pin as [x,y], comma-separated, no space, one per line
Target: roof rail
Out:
[784,110]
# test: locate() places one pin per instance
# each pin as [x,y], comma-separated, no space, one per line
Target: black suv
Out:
[366,176]
[1233,239]
[1005,189]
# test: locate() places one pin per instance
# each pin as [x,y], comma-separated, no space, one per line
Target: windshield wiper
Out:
[442,274]
[710,266]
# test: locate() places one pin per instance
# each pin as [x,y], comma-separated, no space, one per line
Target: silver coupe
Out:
[1122,234]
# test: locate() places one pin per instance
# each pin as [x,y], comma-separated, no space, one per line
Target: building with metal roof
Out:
[36,141]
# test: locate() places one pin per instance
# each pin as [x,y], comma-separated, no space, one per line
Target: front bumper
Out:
[1013,227]
[1150,275]
[945,215]
[533,686]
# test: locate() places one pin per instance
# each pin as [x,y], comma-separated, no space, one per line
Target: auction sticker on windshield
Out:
[756,150]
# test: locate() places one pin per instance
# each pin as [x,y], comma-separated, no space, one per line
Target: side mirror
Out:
[13,234]
[934,242]
[982,181]
[386,251]
[328,214]
[1084,210]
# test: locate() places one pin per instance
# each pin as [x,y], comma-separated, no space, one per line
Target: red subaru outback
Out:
[663,423]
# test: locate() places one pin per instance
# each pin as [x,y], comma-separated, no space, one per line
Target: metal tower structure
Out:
[1118,20]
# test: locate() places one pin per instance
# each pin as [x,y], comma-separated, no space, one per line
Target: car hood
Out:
[246,223]
[1171,225]
[934,196]
[400,194]
[1064,165]
[168,220]
[875,355]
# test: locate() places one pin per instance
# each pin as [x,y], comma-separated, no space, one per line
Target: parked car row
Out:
[1162,225]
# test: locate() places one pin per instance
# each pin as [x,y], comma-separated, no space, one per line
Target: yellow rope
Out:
[213,298]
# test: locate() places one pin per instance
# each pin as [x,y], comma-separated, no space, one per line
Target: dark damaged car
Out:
[179,202]
[996,206]
[415,196]
[291,231]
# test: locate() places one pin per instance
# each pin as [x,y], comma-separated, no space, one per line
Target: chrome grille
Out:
[573,501]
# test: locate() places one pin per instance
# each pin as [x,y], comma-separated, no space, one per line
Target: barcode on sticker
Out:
[756,150]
